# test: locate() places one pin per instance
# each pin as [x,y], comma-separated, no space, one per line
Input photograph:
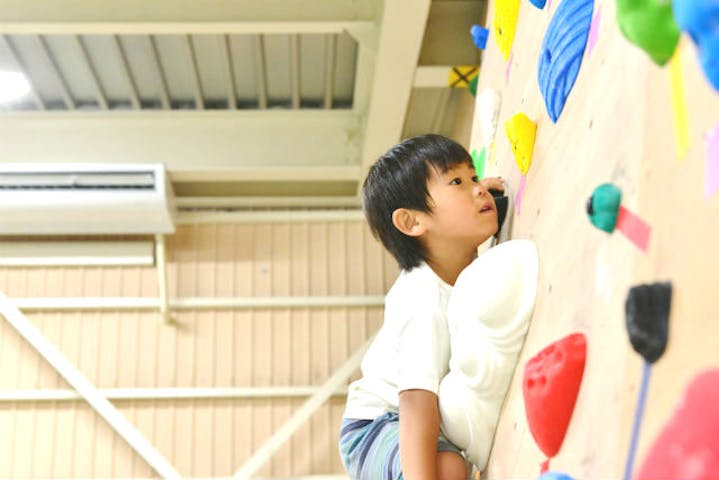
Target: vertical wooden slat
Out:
[300,341]
[281,327]
[224,366]
[243,420]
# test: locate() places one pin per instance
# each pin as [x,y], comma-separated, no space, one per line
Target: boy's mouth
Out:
[487,207]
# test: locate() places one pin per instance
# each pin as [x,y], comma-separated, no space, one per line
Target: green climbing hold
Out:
[473,85]
[603,207]
[650,25]
[478,161]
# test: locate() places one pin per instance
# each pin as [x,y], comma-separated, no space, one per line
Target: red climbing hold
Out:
[551,383]
[687,448]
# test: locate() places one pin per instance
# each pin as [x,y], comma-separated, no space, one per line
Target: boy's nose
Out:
[479,190]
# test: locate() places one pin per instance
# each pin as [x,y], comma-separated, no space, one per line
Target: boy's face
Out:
[463,211]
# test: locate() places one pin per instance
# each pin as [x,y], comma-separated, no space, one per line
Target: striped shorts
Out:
[370,448]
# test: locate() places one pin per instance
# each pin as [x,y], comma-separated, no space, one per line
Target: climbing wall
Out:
[622,123]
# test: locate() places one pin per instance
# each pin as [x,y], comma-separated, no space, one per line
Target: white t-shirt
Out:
[411,350]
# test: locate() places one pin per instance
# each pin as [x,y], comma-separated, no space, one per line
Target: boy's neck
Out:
[449,263]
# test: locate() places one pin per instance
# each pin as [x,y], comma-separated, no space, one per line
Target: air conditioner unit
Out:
[72,199]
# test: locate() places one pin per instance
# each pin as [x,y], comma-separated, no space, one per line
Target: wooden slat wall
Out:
[222,348]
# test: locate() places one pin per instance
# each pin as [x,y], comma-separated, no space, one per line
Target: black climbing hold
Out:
[647,317]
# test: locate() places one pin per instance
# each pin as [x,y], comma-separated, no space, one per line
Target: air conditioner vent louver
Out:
[77,181]
[48,199]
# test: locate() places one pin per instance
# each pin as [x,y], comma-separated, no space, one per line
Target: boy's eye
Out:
[475,179]
[456,181]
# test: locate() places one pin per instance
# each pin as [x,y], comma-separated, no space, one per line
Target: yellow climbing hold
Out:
[504,24]
[521,132]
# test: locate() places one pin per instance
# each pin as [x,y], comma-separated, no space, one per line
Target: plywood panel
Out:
[616,127]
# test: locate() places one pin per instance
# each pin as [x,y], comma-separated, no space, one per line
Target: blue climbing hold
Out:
[555,476]
[700,18]
[479,36]
[538,3]
[561,54]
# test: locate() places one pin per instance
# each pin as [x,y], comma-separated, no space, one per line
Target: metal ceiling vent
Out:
[75,199]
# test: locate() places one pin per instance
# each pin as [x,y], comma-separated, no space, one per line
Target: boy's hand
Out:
[492,183]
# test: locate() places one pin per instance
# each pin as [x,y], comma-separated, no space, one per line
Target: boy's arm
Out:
[418,433]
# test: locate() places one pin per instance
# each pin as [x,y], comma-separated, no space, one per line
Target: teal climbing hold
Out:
[603,207]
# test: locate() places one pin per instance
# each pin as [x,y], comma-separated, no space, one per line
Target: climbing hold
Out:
[504,24]
[700,19]
[478,161]
[550,386]
[687,448]
[488,103]
[555,476]
[479,36]
[473,85]
[650,25]
[538,3]
[647,317]
[521,132]
[561,54]
[603,207]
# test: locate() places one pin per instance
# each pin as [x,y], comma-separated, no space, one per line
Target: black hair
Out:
[399,180]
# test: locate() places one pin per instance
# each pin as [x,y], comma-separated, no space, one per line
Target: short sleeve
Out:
[423,346]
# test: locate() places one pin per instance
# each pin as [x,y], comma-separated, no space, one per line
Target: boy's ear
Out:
[408,222]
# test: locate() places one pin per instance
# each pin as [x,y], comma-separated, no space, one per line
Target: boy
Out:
[423,201]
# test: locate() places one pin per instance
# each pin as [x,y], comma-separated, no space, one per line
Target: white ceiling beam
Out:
[57,73]
[194,72]
[295,77]
[226,49]
[164,11]
[161,80]
[87,390]
[316,145]
[131,85]
[401,33]
[260,71]
[181,28]
[99,90]
[330,54]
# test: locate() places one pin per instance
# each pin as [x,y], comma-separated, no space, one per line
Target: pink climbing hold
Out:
[687,448]
[550,386]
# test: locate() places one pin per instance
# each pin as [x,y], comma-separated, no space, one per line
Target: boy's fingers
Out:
[494,183]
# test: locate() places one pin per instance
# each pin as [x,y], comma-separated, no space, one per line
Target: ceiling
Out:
[273,103]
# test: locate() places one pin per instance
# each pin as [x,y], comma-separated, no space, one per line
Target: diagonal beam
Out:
[86,389]
[339,377]
[394,71]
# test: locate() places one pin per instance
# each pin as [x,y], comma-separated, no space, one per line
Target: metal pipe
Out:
[286,216]
[166,393]
[191,303]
